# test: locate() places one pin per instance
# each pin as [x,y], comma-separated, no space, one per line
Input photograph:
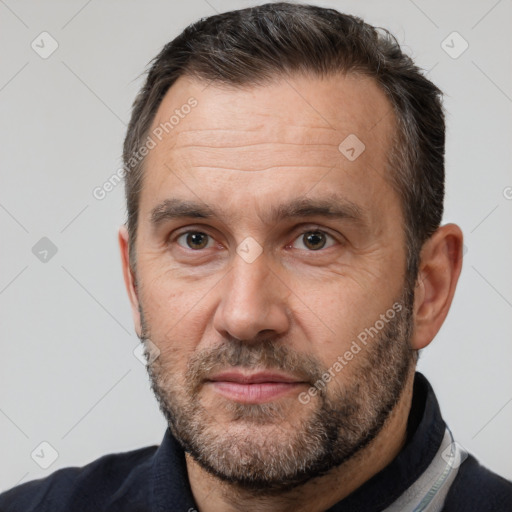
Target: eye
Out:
[313,240]
[195,240]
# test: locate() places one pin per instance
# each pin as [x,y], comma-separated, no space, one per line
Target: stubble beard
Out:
[264,448]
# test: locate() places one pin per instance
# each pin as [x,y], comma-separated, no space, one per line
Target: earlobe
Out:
[129,277]
[439,270]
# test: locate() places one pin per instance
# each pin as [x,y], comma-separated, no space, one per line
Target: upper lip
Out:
[253,378]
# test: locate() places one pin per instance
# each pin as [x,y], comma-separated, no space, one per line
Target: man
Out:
[285,263]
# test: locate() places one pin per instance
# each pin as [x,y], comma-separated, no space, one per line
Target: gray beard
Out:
[258,449]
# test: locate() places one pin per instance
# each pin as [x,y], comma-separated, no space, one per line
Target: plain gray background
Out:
[68,374]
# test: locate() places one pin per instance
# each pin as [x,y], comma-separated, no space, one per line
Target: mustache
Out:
[263,355]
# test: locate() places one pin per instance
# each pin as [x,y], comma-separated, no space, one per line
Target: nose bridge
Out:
[248,280]
[252,300]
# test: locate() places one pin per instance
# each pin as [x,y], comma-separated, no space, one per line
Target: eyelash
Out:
[301,234]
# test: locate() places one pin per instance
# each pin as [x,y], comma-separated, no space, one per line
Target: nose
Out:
[253,302]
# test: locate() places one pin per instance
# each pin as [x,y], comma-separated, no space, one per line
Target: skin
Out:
[243,152]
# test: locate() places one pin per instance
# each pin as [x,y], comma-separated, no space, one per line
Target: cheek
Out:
[163,306]
[336,313]
[176,313]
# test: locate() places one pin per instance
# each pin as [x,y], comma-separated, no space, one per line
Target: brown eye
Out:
[194,240]
[312,240]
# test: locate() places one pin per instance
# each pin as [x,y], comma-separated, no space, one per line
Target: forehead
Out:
[334,131]
[296,107]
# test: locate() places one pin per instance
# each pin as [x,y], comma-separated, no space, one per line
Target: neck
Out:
[319,494]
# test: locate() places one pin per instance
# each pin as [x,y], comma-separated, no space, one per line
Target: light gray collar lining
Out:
[428,493]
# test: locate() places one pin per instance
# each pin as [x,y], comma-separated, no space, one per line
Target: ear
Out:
[129,277]
[439,270]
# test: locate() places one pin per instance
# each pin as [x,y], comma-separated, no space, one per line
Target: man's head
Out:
[283,250]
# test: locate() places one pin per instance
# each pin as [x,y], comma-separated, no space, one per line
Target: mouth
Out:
[253,388]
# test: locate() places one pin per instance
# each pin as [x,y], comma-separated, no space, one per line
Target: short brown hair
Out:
[252,46]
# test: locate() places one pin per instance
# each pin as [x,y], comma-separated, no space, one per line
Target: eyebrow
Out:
[332,207]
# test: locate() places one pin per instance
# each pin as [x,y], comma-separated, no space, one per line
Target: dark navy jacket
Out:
[155,478]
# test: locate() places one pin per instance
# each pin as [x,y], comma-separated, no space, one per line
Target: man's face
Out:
[270,272]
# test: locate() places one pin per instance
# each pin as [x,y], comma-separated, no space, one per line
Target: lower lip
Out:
[253,393]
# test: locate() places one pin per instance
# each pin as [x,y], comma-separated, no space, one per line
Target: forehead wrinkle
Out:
[273,130]
[256,157]
[274,143]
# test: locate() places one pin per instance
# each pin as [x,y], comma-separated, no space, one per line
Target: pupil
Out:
[196,240]
[314,239]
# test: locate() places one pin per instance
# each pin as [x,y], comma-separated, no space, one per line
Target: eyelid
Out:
[195,228]
[313,227]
